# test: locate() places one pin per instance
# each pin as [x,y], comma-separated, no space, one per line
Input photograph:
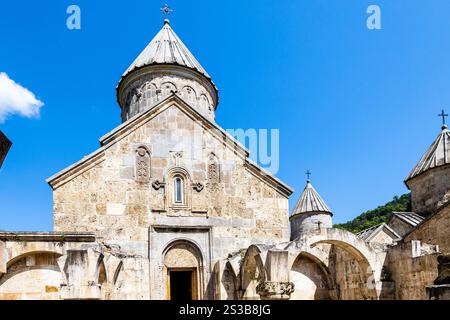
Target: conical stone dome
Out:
[166,67]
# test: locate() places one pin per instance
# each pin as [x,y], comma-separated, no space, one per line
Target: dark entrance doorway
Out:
[182,284]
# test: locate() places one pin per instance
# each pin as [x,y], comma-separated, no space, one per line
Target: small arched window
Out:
[178,190]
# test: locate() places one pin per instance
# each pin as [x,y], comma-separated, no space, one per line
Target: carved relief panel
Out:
[142,165]
[213,172]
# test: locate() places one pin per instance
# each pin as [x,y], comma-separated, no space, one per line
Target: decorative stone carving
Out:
[275,290]
[142,165]
[158,185]
[176,157]
[198,187]
[213,172]
[156,86]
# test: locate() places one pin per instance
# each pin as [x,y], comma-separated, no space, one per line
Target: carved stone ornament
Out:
[142,165]
[198,187]
[275,290]
[158,185]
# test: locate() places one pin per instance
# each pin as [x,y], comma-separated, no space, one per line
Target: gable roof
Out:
[411,218]
[137,121]
[370,233]
[310,201]
[437,155]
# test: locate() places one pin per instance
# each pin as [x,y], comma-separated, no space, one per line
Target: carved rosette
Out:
[275,290]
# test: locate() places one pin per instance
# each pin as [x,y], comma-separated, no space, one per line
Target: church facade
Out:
[171,207]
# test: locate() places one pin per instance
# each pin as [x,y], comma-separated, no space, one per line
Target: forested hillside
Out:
[379,215]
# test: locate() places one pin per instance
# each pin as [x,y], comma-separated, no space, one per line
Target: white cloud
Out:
[15,99]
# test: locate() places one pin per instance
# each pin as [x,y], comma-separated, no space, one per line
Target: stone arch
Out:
[21,250]
[311,278]
[252,272]
[366,259]
[204,103]
[134,100]
[167,88]
[184,255]
[150,94]
[117,273]
[229,282]
[38,271]
[100,271]
[189,95]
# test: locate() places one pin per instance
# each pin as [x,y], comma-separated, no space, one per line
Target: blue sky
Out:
[356,107]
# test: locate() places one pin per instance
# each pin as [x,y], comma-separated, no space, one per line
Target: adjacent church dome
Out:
[166,67]
[310,201]
[437,155]
[429,181]
[310,214]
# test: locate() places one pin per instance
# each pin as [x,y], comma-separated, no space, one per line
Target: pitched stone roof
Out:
[410,218]
[167,48]
[437,155]
[310,201]
[368,234]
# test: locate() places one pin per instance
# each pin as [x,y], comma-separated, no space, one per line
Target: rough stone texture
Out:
[147,90]
[430,190]
[170,190]
[71,270]
[434,230]
[400,226]
[441,292]
[217,216]
[309,222]
[413,271]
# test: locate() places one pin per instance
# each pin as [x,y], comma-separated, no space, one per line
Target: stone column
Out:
[277,285]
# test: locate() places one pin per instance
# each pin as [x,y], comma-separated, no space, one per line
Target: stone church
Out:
[170,207]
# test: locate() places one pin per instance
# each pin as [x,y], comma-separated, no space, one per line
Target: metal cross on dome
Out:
[308,174]
[443,115]
[166,10]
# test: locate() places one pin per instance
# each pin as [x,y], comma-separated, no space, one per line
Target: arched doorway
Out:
[183,263]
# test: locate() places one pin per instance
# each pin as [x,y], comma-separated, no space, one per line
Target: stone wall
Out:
[125,192]
[412,264]
[429,191]
[411,275]
[69,269]
[400,226]
[309,222]
[434,230]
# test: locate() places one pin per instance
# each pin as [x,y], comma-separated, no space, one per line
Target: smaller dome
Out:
[437,155]
[310,202]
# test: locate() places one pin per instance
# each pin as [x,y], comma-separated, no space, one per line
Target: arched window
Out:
[178,190]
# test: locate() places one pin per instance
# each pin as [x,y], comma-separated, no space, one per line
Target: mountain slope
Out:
[379,215]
